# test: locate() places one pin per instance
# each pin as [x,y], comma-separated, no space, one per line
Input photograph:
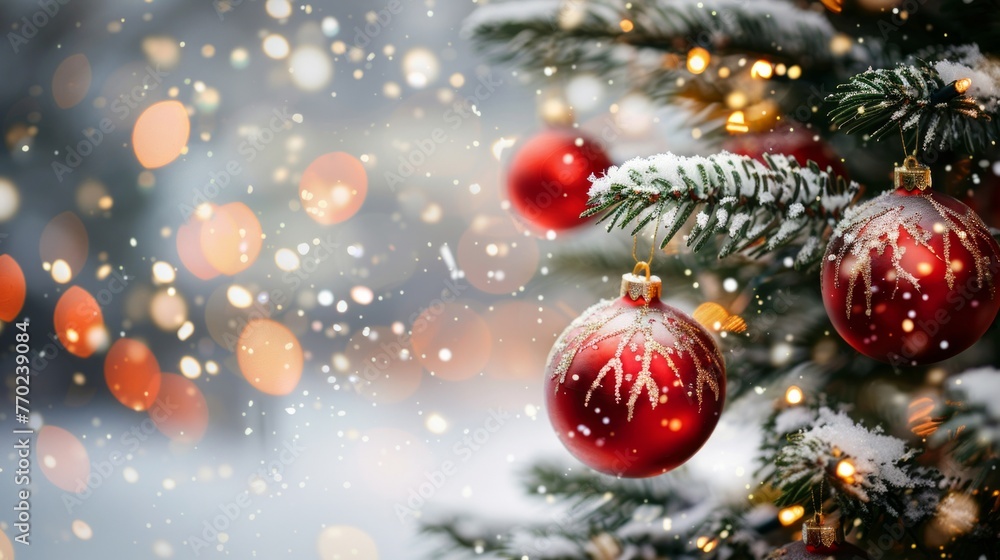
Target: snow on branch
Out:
[952,103]
[767,205]
[881,473]
[591,36]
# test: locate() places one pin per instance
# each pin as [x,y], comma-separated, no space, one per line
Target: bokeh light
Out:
[451,341]
[333,187]
[180,411]
[79,323]
[189,247]
[523,333]
[13,288]
[168,310]
[231,238]
[384,364]
[62,458]
[64,239]
[161,134]
[10,199]
[310,67]
[276,46]
[71,81]
[341,542]
[495,256]
[270,357]
[132,373]
[421,67]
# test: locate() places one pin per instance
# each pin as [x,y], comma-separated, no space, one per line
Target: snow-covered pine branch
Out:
[932,99]
[589,36]
[778,202]
[883,475]
[973,417]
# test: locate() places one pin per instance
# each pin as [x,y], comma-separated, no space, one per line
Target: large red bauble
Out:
[909,278]
[634,387]
[797,142]
[549,177]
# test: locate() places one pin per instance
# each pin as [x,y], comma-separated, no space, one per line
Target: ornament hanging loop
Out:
[644,266]
[912,176]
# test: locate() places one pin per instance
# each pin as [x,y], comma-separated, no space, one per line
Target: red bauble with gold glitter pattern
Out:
[635,387]
[549,178]
[910,277]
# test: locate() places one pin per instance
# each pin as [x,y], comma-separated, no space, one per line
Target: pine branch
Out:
[752,204]
[884,478]
[589,36]
[947,113]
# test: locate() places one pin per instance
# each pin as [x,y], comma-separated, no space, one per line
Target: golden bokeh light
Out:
[761,69]
[698,60]
[793,395]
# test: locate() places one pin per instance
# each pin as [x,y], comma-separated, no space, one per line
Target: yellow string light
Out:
[761,69]
[697,60]
[737,123]
[793,395]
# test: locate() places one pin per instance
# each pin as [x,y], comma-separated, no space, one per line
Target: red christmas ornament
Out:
[634,387]
[548,179]
[909,278]
[799,551]
[797,142]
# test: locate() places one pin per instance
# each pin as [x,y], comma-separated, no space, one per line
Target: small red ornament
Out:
[909,278]
[799,551]
[797,142]
[549,178]
[634,387]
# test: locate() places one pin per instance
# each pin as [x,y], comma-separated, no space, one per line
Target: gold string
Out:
[644,265]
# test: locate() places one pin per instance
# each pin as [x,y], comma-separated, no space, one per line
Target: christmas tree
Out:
[871,422]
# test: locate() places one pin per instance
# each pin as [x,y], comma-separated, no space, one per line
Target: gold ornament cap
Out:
[912,176]
[637,286]
[816,535]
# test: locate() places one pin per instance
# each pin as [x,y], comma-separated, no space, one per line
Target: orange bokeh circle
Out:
[270,357]
[452,341]
[231,238]
[161,132]
[333,187]
[79,322]
[13,288]
[180,411]
[63,459]
[132,373]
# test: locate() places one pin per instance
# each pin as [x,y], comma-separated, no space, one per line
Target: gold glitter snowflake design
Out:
[687,339]
[875,228]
